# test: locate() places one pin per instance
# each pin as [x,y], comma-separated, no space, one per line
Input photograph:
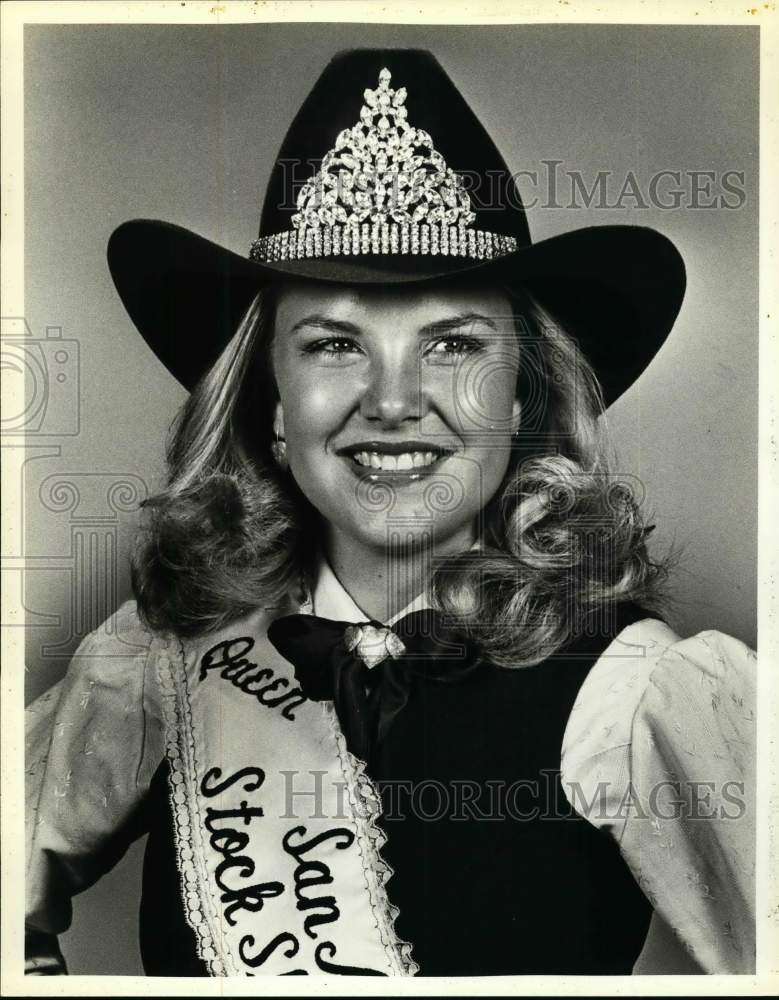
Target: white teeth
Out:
[395,463]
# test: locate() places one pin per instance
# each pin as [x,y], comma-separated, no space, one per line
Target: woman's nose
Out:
[393,394]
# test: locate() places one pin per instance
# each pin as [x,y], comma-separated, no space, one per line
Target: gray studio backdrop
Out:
[182,124]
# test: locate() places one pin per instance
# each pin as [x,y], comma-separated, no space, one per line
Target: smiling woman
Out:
[391,555]
[353,383]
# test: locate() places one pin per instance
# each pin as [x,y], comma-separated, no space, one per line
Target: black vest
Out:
[494,873]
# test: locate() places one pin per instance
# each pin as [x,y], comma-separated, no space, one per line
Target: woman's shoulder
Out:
[126,638]
[108,701]
[125,652]
[123,632]
[710,657]
[649,655]
[659,667]
[699,708]
[113,659]
[651,680]
[617,681]
[119,648]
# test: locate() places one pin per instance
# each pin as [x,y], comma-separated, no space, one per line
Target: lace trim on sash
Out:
[180,749]
[365,805]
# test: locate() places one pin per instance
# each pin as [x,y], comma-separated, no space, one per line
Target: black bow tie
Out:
[368,669]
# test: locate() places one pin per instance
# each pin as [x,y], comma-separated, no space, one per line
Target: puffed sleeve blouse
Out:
[658,752]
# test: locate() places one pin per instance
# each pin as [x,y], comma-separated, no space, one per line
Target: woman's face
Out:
[397,406]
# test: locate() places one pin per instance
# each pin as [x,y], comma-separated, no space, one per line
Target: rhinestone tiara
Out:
[383,189]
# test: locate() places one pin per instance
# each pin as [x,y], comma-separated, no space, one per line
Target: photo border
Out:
[723,12]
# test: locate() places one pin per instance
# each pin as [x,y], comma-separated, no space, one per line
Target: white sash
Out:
[276,838]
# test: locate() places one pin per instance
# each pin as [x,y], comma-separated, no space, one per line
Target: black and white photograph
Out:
[381,464]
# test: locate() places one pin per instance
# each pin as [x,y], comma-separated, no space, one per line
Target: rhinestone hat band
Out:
[383,189]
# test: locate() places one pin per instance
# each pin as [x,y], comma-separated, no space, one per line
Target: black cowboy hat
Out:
[400,196]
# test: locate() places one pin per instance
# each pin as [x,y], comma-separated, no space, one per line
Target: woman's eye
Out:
[334,347]
[452,347]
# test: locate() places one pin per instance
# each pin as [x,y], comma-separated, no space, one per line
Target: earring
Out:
[279,451]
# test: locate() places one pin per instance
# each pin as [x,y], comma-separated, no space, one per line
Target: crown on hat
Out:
[383,189]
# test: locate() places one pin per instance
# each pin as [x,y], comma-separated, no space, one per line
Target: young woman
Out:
[396,661]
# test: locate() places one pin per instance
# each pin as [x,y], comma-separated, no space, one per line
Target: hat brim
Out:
[616,289]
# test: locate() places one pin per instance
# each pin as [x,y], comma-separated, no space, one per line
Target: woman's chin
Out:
[390,536]
[391,513]
[401,531]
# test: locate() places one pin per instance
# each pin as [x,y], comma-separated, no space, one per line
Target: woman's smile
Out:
[402,462]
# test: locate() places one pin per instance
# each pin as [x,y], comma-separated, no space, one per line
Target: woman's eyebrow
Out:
[455,322]
[438,326]
[326,323]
